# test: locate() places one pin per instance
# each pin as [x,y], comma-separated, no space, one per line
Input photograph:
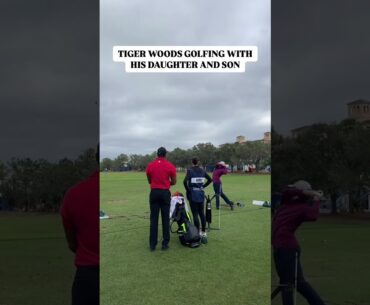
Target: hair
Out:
[161,152]
[195,160]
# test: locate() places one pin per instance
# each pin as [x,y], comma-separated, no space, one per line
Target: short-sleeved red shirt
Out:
[80,213]
[159,171]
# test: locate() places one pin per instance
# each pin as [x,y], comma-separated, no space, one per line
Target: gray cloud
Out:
[49,78]
[320,60]
[140,112]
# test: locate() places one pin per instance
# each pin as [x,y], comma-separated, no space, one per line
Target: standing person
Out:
[220,170]
[80,215]
[299,203]
[161,175]
[194,183]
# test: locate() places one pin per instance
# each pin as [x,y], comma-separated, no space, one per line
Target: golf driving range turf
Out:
[36,265]
[233,268]
[335,260]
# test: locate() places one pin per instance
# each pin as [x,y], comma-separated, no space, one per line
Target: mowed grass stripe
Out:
[233,268]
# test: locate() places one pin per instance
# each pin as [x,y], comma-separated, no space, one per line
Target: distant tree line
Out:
[235,154]
[39,185]
[332,157]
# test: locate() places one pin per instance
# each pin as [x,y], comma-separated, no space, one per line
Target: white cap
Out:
[301,185]
[222,163]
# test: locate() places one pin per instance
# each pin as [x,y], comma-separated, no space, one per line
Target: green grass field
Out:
[36,268]
[335,260]
[233,268]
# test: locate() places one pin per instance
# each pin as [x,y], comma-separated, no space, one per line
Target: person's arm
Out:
[316,195]
[173,176]
[291,193]
[71,239]
[312,212]
[209,180]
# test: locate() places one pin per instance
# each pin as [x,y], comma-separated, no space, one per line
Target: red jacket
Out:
[293,211]
[217,173]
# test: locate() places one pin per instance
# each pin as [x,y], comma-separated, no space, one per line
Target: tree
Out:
[226,153]
[106,163]
[179,157]
[206,152]
[22,171]
[120,162]
[334,158]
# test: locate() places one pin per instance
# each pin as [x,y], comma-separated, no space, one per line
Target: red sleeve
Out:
[147,171]
[292,192]
[173,171]
[312,212]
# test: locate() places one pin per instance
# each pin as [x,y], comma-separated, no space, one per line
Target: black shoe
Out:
[232,206]
[165,247]
[152,249]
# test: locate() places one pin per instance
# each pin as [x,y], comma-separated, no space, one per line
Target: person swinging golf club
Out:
[195,181]
[220,169]
[299,203]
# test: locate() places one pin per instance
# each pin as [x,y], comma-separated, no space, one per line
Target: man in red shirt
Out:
[80,215]
[161,175]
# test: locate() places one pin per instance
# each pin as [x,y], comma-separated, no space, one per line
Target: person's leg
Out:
[85,289]
[216,187]
[154,214]
[165,214]
[285,268]
[224,197]
[200,208]
[194,211]
[305,289]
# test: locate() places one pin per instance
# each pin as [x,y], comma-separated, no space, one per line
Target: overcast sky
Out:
[49,78]
[320,60]
[140,112]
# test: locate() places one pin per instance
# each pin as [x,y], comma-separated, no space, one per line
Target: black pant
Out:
[285,262]
[218,191]
[85,289]
[197,209]
[160,200]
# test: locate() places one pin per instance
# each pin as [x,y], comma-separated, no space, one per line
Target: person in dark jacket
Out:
[299,203]
[195,181]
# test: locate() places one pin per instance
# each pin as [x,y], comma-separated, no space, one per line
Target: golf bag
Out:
[187,231]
